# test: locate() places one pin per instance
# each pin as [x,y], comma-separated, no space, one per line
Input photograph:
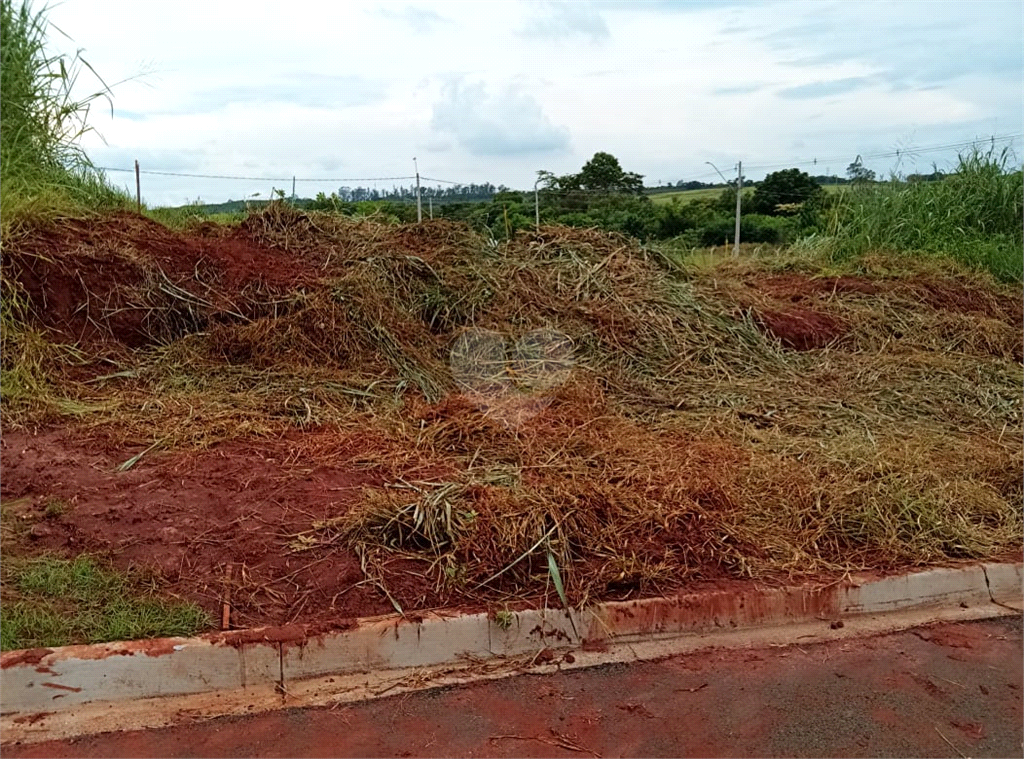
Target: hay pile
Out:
[727,422]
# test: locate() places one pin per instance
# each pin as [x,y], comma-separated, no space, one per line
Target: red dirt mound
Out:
[800,328]
[116,277]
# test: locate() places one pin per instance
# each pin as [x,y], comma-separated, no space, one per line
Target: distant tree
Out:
[783,193]
[604,173]
[857,173]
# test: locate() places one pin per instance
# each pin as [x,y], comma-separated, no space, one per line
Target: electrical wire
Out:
[898,153]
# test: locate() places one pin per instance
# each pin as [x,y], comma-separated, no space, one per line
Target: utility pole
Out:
[419,201]
[293,187]
[138,188]
[739,193]
[430,205]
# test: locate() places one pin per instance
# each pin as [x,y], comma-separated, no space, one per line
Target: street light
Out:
[739,193]
[719,173]
[419,201]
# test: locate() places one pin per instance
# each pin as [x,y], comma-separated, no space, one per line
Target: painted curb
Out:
[47,681]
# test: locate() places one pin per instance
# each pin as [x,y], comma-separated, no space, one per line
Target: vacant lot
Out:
[309,417]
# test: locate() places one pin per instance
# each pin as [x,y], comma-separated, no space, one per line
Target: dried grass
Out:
[685,444]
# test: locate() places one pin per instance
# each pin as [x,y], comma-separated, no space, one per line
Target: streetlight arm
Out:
[719,173]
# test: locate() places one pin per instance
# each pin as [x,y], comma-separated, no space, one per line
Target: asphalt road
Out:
[946,690]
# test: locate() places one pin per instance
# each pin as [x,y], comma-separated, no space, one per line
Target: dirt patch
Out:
[801,328]
[130,280]
[188,516]
[964,297]
[305,360]
[797,287]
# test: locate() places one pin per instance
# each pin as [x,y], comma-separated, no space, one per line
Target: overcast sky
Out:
[495,91]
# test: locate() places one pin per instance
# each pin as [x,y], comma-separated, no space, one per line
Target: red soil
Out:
[188,516]
[81,277]
[801,328]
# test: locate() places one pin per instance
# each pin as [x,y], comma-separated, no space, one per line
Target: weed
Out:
[504,619]
[55,508]
[43,170]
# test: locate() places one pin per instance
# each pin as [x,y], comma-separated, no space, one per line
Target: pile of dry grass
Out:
[626,508]
[690,440]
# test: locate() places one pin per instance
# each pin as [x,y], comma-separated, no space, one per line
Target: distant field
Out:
[685,196]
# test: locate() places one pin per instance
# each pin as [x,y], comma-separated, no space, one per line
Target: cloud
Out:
[507,123]
[673,6]
[301,89]
[419,19]
[903,48]
[560,20]
[824,89]
[744,89]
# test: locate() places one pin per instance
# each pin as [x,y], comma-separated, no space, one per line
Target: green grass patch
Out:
[714,193]
[51,601]
[190,216]
[974,216]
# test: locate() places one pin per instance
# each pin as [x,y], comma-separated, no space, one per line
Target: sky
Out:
[336,93]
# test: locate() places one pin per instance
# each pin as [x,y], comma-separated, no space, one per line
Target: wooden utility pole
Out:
[739,193]
[138,189]
[293,187]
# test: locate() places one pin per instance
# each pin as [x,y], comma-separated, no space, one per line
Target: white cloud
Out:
[509,122]
[560,20]
[495,91]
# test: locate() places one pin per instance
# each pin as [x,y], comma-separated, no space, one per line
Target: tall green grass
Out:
[975,216]
[43,170]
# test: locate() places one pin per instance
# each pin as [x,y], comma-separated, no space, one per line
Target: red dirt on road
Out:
[946,690]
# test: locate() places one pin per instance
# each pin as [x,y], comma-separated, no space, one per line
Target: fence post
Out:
[536,203]
[419,201]
[739,193]
[138,189]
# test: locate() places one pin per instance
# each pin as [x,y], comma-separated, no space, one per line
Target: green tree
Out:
[857,173]
[785,193]
[602,173]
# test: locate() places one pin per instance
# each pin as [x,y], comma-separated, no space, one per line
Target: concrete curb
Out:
[256,664]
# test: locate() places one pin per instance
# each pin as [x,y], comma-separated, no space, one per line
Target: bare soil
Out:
[188,517]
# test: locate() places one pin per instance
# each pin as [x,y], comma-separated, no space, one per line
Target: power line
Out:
[260,179]
[445,181]
[899,153]
[910,151]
